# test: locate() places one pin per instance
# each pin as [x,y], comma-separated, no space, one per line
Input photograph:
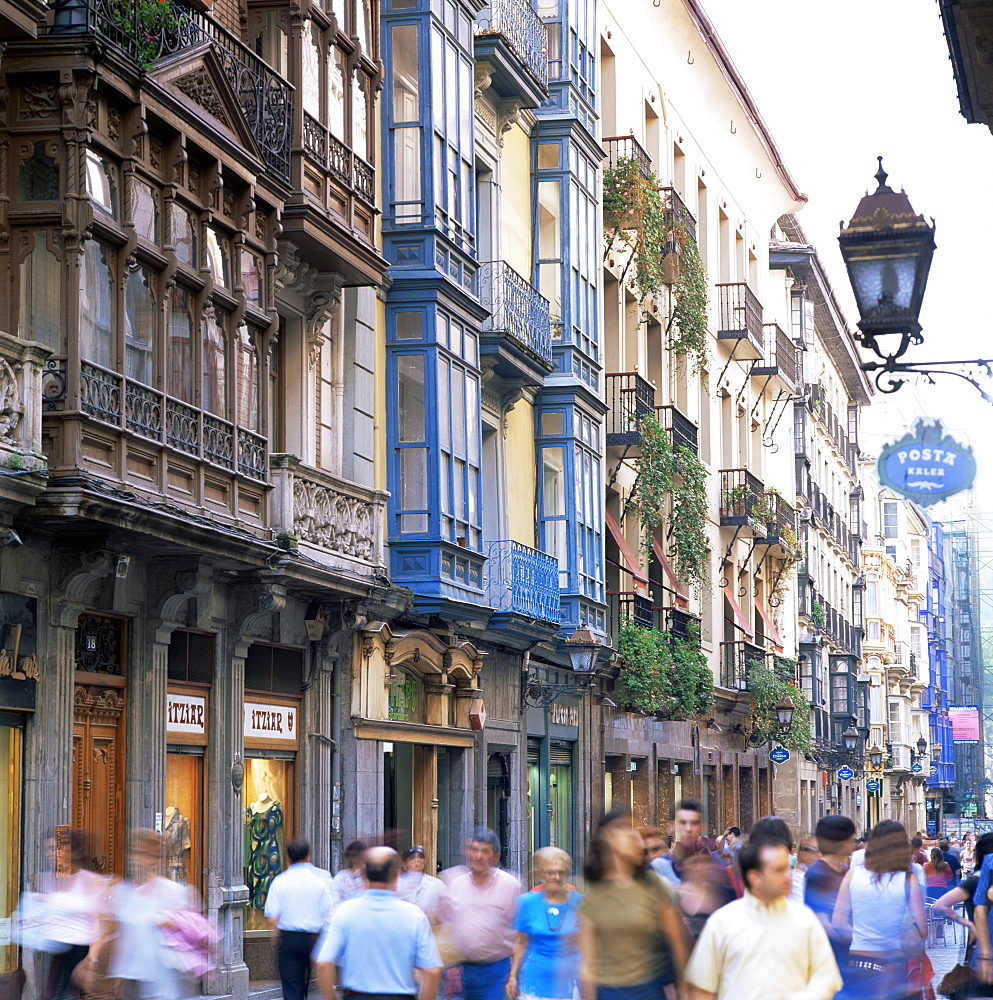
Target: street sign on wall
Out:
[927,465]
[845,773]
[780,755]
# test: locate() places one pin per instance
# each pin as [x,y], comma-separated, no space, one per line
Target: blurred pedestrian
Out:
[763,945]
[379,941]
[632,938]
[415,885]
[479,910]
[545,963]
[707,885]
[655,844]
[807,853]
[687,828]
[881,905]
[937,874]
[350,881]
[297,907]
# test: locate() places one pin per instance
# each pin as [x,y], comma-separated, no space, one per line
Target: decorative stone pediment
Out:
[195,76]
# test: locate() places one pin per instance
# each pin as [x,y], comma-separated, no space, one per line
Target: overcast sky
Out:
[838,84]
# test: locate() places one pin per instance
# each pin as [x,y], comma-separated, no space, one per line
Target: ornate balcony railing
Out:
[520,24]
[737,661]
[521,580]
[740,492]
[332,154]
[626,604]
[780,357]
[626,147]
[516,308]
[266,99]
[740,315]
[678,212]
[152,415]
[336,522]
[681,429]
[629,398]
[676,621]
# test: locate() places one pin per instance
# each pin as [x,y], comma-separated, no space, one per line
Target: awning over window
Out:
[680,590]
[770,630]
[628,554]
[738,618]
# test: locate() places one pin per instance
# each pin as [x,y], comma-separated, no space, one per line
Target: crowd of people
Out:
[660,917]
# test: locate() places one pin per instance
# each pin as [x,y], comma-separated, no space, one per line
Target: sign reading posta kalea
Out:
[927,465]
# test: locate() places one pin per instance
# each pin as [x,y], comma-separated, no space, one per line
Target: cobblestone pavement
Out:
[946,953]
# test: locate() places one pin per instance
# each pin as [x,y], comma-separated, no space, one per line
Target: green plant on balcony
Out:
[688,524]
[689,318]
[763,509]
[817,614]
[143,23]
[663,673]
[734,500]
[769,689]
[653,486]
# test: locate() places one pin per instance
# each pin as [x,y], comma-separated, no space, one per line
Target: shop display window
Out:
[268,791]
[182,822]
[10,818]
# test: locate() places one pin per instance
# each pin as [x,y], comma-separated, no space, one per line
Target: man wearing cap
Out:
[417,887]
[378,941]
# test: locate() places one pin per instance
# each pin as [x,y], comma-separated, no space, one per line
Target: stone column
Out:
[315,757]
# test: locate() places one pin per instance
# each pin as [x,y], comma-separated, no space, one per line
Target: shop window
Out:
[191,657]
[406,697]
[182,823]
[274,669]
[268,783]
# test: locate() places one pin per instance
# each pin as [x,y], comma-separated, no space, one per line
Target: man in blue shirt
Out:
[378,941]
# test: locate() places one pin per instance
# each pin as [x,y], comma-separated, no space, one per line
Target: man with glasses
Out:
[806,854]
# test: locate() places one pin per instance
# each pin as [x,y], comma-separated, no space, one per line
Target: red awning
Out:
[680,590]
[739,620]
[627,553]
[770,630]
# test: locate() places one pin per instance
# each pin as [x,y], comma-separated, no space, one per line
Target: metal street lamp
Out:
[921,746]
[851,738]
[583,646]
[784,715]
[936,752]
[876,758]
[887,250]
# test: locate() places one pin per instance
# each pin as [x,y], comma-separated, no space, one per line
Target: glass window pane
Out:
[409,326]
[360,113]
[410,397]
[553,481]
[184,236]
[41,295]
[251,276]
[548,156]
[458,412]
[96,306]
[549,207]
[407,173]
[141,322]
[336,93]
[247,370]
[551,424]
[413,478]
[444,417]
[219,258]
[312,72]
[215,383]
[445,483]
[145,211]
[472,419]
[405,84]
[458,481]
[38,175]
[180,345]
[101,183]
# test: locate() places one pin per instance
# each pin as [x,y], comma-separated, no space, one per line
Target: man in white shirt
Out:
[764,946]
[379,941]
[297,908]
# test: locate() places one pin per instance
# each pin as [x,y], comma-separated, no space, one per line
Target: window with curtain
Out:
[214,389]
[41,294]
[140,325]
[96,306]
[247,378]
[179,345]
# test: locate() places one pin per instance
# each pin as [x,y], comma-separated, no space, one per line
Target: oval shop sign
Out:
[927,465]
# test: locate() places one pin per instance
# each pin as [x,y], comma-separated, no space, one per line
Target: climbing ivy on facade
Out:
[769,688]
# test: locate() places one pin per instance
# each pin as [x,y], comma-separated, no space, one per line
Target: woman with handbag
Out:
[882,907]
[631,934]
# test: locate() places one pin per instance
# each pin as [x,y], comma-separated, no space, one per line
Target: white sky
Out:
[839,83]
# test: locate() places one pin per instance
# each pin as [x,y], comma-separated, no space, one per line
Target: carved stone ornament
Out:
[482,75]
[11,407]
[292,273]
[331,520]
[198,87]
[38,102]
[321,308]
[508,113]
[237,774]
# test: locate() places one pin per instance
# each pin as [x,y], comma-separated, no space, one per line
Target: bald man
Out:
[378,941]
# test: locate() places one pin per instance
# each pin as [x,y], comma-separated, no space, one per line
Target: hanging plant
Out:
[689,332]
[688,524]
[663,673]
[817,613]
[653,486]
[768,690]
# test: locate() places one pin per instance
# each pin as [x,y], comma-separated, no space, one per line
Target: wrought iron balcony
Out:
[740,492]
[676,621]
[626,604]
[629,398]
[740,319]
[779,519]
[337,523]
[519,328]
[266,99]
[738,659]
[678,212]
[511,48]
[682,430]
[521,580]
[343,165]
[780,359]
[627,147]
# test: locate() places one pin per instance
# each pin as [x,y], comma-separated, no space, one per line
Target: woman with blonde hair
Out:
[546,954]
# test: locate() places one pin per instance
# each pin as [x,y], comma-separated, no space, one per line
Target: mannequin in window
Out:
[177,843]
[263,837]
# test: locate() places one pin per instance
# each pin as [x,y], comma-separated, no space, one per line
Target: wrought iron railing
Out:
[516,308]
[626,147]
[681,429]
[676,621]
[332,154]
[629,398]
[626,604]
[520,24]
[154,416]
[738,659]
[522,580]
[740,492]
[740,311]
[266,99]
[780,354]
[678,211]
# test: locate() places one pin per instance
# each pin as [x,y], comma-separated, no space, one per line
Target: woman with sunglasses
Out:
[415,885]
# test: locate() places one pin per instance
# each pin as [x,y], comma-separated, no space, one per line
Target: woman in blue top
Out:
[546,956]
